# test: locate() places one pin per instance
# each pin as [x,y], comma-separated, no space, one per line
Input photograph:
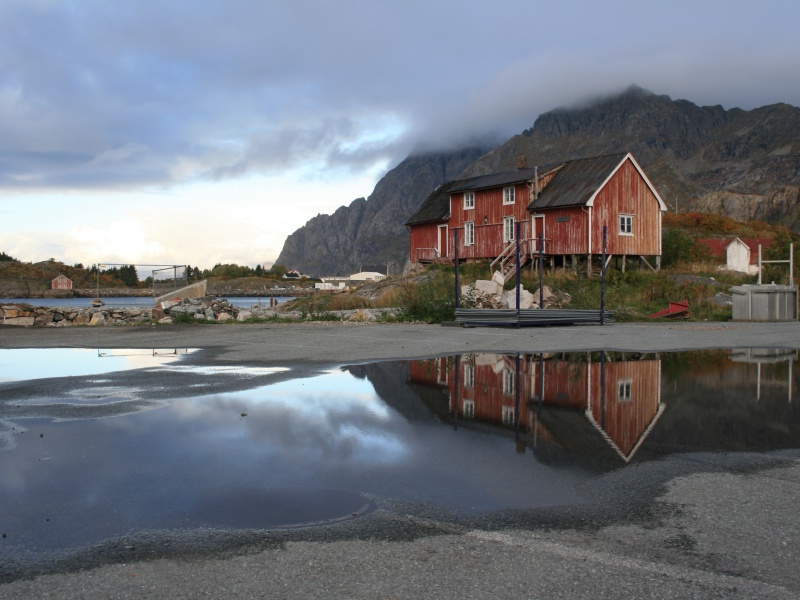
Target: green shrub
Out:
[678,246]
[432,299]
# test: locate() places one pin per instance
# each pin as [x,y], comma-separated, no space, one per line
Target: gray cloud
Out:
[109,95]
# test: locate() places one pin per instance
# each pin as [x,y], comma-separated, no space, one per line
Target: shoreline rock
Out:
[208,308]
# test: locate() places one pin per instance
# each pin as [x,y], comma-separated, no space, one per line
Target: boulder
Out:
[98,318]
[498,278]
[43,319]
[491,288]
[526,299]
[11,312]
[20,321]
[244,315]
[165,321]
[224,316]
[362,316]
[167,304]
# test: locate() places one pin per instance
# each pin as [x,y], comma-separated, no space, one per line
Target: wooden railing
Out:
[506,262]
[428,254]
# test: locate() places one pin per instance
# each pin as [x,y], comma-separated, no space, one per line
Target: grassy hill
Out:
[32,280]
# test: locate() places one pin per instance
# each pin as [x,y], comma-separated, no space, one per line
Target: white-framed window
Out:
[468,409]
[625,390]
[508,229]
[626,224]
[508,195]
[469,200]
[508,415]
[469,376]
[441,370]
[508,381]
[469,233]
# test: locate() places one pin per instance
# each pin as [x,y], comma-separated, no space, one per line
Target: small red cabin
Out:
[565,205]
[62,282]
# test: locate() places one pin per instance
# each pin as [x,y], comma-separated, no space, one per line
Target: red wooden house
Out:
[567,204]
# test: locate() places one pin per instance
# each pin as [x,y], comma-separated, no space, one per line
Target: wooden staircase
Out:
[506,262]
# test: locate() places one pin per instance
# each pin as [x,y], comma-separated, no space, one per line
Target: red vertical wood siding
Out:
[489,209]
[627,193]
[568,236]
[624,421]
[422,240]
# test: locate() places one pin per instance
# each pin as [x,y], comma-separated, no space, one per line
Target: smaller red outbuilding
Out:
[62,282]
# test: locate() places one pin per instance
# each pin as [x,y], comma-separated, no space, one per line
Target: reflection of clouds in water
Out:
[296,419]
[40,363]
[8,432]
[224,370]
[374,449]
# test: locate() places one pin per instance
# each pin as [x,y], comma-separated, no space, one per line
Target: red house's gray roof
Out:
[437,206]
[577,181]
[575,184]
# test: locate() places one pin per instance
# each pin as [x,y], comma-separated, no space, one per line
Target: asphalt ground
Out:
[686,526]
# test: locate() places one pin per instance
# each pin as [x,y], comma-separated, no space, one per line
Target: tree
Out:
[677,246]
[278,270]
[128,275]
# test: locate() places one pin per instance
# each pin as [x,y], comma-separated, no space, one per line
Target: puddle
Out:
[468,434]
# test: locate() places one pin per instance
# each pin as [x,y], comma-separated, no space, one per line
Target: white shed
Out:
[738,257]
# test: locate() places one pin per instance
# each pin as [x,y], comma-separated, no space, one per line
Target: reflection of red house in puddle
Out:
[591,403]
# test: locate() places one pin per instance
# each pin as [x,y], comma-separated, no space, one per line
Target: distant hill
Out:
[32,280]
[737,163]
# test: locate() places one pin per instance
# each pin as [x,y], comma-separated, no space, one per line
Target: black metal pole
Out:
[603,279]
[516,402]
[541,385]
[519,228]
[455,241]
[456,392]
[603,390]
[541,270]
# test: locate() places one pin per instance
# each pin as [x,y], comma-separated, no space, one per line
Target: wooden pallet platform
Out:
[480,317]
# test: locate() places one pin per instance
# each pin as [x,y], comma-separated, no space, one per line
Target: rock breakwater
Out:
[208,309]
[183,310]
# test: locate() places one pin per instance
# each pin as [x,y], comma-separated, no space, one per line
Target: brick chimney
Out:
[522,161]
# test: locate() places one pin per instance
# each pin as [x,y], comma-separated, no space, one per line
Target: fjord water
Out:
[90,454]
[137,301]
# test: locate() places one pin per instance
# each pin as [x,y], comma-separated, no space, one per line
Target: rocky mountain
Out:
[743,164]
[372,231]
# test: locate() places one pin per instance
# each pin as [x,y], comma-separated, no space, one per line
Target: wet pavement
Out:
[516,474]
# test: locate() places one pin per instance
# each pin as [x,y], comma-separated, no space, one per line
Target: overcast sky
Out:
[205,131]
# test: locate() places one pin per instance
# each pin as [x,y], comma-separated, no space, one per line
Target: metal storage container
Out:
[764,302]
